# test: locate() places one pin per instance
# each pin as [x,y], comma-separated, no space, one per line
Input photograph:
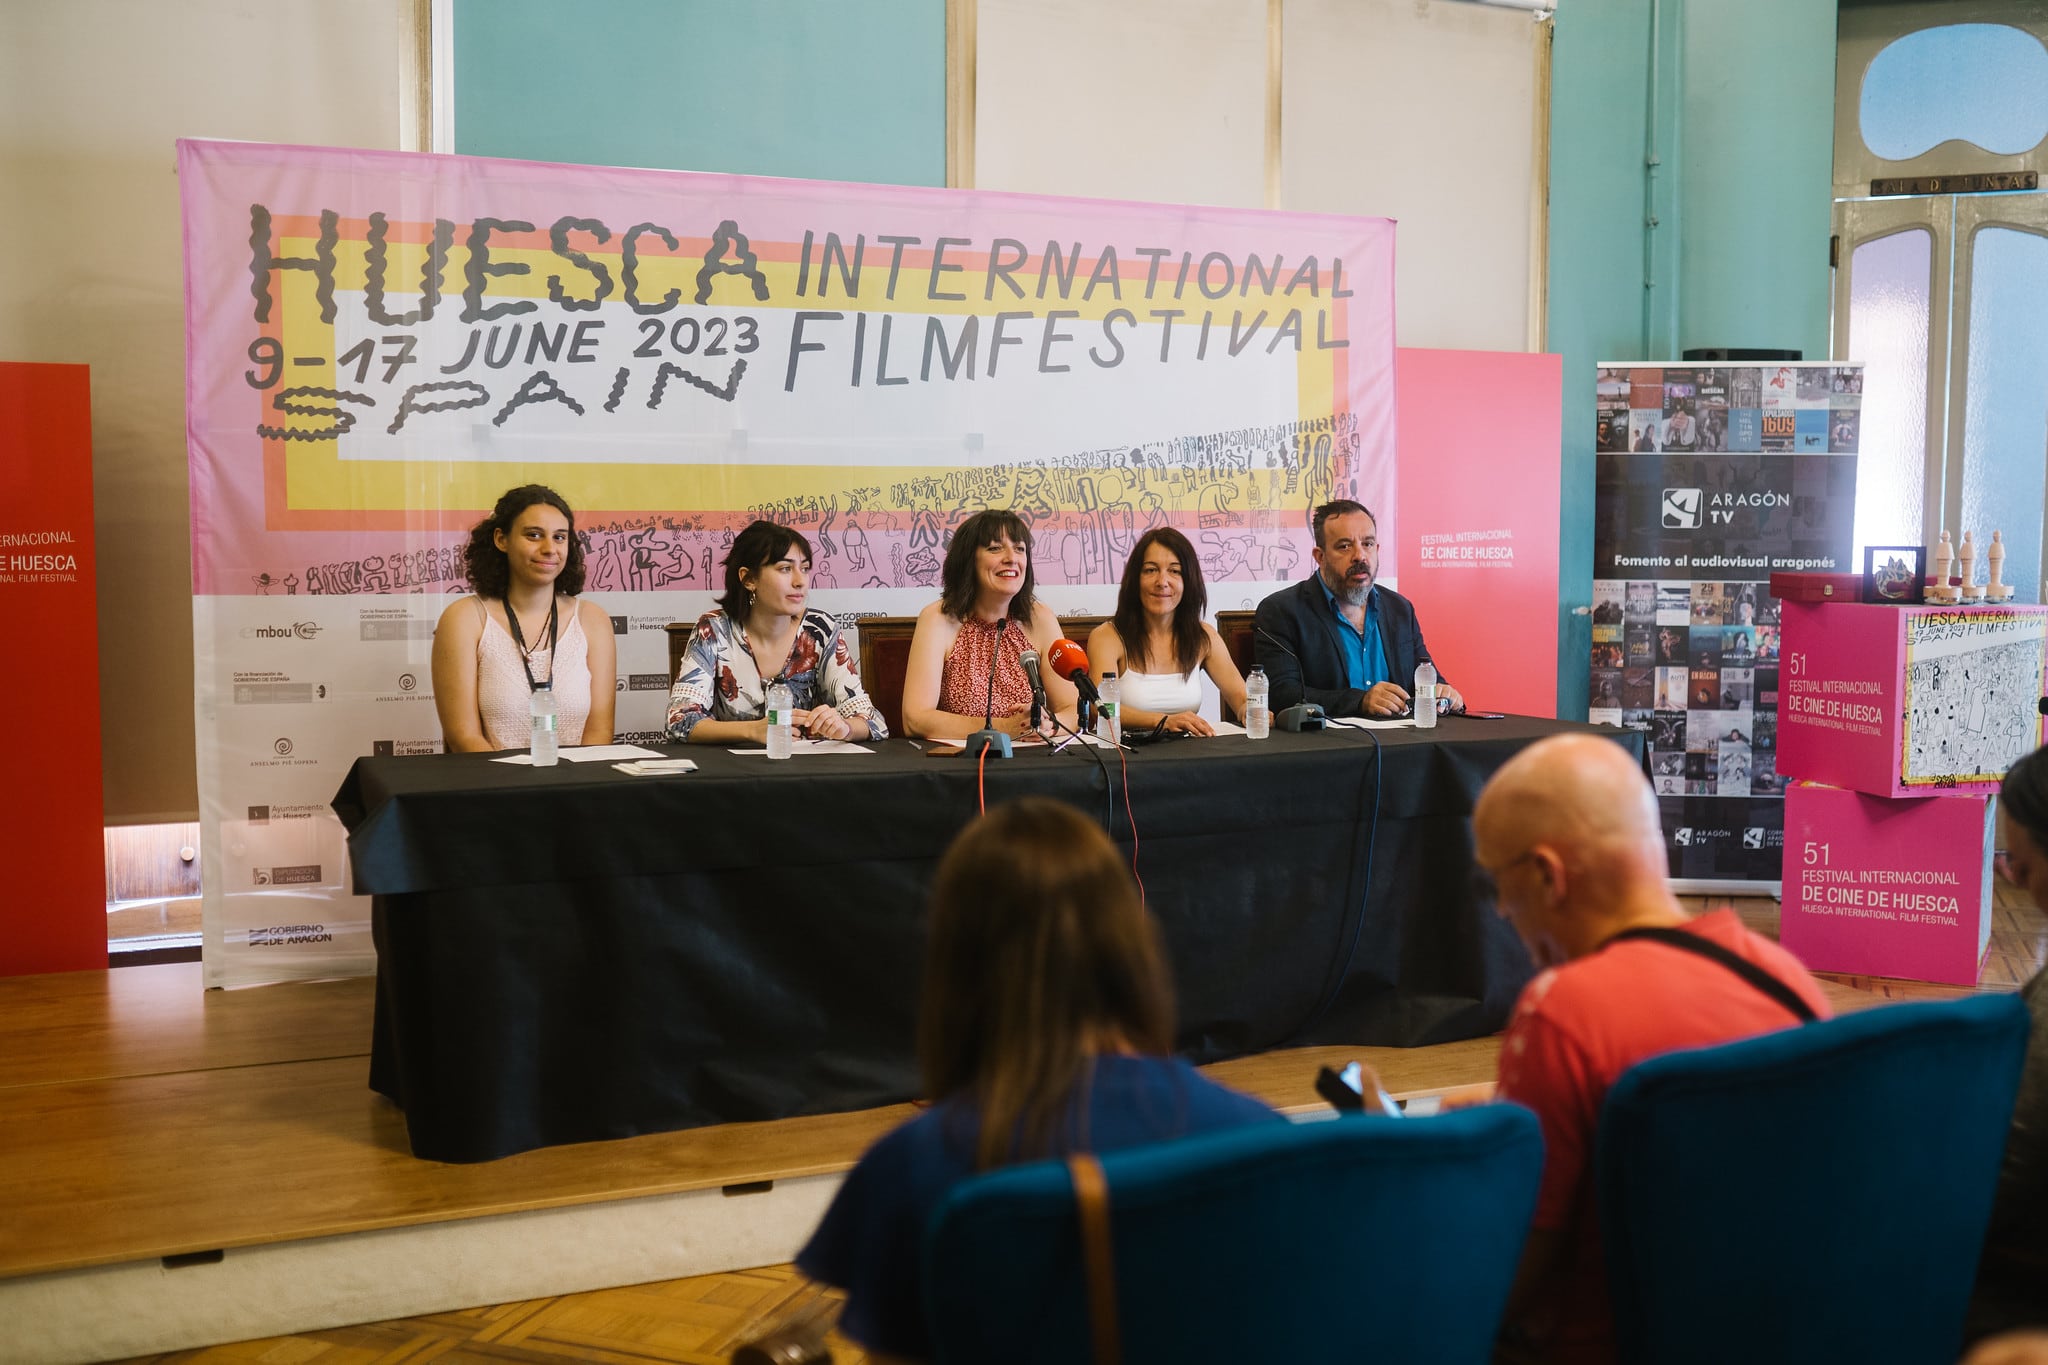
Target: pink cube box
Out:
[1908,701]
[1883,887]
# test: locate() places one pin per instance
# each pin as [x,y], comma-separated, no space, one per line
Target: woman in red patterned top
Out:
[980,627]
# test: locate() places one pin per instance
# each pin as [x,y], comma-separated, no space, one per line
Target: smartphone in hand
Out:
[1345,1091]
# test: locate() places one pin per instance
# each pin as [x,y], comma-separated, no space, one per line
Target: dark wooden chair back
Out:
[1236,629]
[884,657]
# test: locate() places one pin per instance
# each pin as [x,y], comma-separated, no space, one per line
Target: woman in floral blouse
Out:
[761,634]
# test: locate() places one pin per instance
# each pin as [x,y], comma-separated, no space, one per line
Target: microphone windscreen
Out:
[1029,658]
[1068,658]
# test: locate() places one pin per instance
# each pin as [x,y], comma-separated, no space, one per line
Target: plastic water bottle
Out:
[1109,723]
[542,748]
[1425,695]
[1258,717]
[780,715]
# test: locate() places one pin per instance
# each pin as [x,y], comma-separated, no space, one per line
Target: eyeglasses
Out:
[1485,885]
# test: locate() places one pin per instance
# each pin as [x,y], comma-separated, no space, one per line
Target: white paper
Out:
[523,759]
[607,753]
[1224,727]
[799,747]
[655,767]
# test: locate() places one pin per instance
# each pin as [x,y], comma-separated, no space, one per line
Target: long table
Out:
[572,953]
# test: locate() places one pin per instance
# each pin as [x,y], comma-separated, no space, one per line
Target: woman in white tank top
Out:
[1158,641]
[525,628]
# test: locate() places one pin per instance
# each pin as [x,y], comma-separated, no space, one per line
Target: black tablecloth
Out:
[571,953]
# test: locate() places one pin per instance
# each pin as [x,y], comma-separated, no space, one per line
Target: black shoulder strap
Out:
[1741,966]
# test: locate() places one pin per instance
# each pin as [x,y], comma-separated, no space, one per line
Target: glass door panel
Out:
[2001,480]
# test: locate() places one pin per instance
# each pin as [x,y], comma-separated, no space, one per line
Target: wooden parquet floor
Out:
[689,1321]
[703,1319]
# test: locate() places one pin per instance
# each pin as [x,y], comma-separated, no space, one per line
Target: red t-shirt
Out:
[1577,1027]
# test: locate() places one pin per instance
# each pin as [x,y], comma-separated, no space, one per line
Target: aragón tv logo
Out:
[1682,509]
[297,630]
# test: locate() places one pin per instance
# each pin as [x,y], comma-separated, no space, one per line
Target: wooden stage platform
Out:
[181,1167]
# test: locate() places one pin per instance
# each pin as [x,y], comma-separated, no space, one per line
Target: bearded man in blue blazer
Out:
[1339,638]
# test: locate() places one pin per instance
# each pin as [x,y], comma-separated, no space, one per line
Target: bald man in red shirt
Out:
[1568,830]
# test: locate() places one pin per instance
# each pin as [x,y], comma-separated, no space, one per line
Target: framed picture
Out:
[1894,575]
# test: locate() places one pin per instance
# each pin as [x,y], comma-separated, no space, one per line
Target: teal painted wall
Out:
[810,88]
[1599,83]
[1743,105]
[1756,173]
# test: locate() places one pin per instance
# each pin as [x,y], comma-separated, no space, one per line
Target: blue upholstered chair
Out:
[1361,1238]
[1815,1194]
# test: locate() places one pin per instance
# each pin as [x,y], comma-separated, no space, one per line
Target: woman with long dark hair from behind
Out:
[525,628]
[761,633]
[1046,1028]
[1157,640]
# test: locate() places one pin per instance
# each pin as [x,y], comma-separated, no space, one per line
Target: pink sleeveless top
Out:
[963,681]
[505,702]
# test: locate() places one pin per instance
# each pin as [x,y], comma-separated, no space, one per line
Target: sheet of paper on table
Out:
[607,753]
[589,753]
[1362,723]
[799,747]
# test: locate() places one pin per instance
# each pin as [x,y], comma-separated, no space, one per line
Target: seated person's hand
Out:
[1188,723]
[1370,1080]
[822,722]
[1386,699]
[1452,695]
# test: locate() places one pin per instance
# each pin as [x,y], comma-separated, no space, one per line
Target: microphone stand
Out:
[989,740]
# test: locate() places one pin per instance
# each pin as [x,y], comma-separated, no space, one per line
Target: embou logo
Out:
[1682,509]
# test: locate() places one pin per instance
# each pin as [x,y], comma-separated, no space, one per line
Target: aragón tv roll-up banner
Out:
[1710,479]
[379,344]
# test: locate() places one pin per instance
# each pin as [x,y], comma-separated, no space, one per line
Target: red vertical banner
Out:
[1477,465]
[54,916]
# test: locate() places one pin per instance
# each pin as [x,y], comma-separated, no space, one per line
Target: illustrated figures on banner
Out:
[1111,496]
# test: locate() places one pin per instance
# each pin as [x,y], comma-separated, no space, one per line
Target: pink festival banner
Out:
[380,343]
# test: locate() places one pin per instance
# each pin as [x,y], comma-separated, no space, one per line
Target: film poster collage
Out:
[1694,662]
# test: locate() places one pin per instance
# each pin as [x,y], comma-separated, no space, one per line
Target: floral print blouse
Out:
[720,680]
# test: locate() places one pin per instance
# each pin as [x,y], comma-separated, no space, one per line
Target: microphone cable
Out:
[1130,815]
[1109,797]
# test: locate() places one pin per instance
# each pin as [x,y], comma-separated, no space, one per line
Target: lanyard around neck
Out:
[519,638]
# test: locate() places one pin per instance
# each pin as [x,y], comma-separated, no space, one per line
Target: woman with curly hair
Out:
[525,629]
[760,634]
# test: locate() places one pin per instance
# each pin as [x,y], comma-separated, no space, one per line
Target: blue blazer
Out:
[1295,640]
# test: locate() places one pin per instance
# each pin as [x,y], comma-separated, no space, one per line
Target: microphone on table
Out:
[989,740]
[1029,658]
[1303,715]
[1070,661]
